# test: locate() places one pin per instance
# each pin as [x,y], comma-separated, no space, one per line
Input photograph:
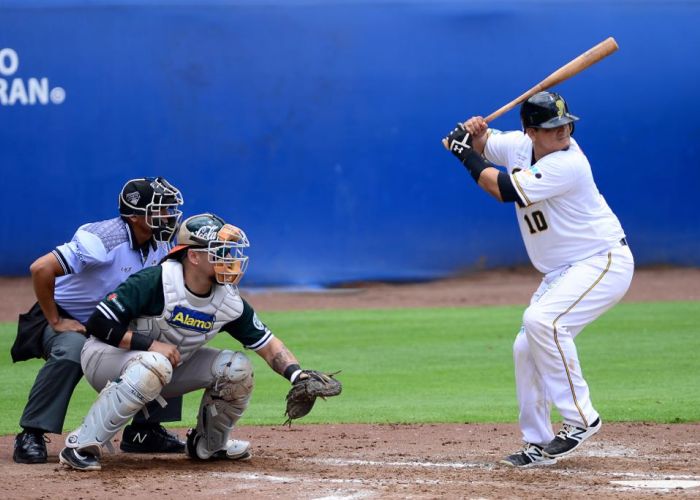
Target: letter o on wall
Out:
[9,62]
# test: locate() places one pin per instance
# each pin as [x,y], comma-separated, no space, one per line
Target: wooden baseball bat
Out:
[573,67]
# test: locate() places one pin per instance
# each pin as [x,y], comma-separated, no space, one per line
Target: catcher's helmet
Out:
[157,200]
[546,110]
[224,244]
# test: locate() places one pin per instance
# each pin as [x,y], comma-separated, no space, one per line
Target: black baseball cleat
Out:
[150,439]
[30,448]
[530,456]
[82,461]
[569,438]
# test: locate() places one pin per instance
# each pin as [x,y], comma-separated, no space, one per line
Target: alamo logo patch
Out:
[190,319]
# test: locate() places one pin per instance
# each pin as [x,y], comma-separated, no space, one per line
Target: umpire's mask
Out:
[155,199]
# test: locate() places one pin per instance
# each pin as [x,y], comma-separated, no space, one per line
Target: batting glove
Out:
[459,142]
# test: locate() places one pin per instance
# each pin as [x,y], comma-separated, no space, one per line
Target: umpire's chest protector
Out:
[189,321]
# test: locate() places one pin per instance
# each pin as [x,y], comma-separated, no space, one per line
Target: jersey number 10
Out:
[537,223]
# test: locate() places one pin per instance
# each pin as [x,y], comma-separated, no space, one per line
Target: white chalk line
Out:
[658,484]
[637,480]
[331,493]
[645,480]
[373,463]
[252,476]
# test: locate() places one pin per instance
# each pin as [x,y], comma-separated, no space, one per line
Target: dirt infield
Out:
[387,461]
[391,461]
[497,287]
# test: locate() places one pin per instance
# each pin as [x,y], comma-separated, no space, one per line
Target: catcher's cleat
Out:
[150,439]
[530,456]
[79,461]
[236,449]
[569,438]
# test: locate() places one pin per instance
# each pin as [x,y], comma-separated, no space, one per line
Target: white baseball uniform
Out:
[577,242]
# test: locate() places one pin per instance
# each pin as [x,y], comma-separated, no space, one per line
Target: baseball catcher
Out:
[148,342]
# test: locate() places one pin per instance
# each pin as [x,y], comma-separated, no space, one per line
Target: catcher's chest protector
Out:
[189,321]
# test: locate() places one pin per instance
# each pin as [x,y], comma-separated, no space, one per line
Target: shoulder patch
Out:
[258,324]
[111,232]
[534,171]
[113,299]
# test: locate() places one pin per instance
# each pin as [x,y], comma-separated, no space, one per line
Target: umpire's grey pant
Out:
[49,397]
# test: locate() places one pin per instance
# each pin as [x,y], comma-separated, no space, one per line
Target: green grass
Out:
[642,362]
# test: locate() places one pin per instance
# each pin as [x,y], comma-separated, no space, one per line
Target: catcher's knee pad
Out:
[231,367]
[141,382]
[223,404]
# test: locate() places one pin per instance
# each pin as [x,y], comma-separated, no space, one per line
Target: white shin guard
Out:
[223,404]
[140,383]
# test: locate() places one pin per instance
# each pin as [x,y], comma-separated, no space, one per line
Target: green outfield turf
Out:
[642,362]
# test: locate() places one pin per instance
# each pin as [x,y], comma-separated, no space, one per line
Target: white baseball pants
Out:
[547,368]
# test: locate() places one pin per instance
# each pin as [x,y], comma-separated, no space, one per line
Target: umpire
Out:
[69,282]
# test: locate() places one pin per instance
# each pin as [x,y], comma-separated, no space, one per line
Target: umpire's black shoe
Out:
[151,439]
[30,448]
[79,460]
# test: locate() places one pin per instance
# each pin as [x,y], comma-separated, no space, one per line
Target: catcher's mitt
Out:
[309,385]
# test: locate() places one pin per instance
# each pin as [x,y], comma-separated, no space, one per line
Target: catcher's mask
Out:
[155,199]
[223,243]
[546,110]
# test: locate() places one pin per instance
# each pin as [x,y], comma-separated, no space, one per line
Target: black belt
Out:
[623,242]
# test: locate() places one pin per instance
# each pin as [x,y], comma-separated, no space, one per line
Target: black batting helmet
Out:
[546,110]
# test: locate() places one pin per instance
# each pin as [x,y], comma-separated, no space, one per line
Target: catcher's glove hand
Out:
[309,385]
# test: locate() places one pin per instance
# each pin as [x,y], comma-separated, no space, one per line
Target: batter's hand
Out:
[167,350]
[460,142]
[457,135]
[68,325]
[476,126]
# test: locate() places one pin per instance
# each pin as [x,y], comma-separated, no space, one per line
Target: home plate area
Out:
[354,478]
[385,461]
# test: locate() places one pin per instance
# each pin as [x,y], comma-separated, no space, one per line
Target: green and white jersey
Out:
[155,302]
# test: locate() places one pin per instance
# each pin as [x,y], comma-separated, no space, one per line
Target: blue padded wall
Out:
[316,126]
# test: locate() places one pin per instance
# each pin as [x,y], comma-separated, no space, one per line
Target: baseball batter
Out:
[148,341]
[575,240]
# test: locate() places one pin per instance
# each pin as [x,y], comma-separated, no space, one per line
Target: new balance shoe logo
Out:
[138,437]
[577,433]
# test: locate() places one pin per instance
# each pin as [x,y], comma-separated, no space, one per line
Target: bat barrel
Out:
[573,67]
